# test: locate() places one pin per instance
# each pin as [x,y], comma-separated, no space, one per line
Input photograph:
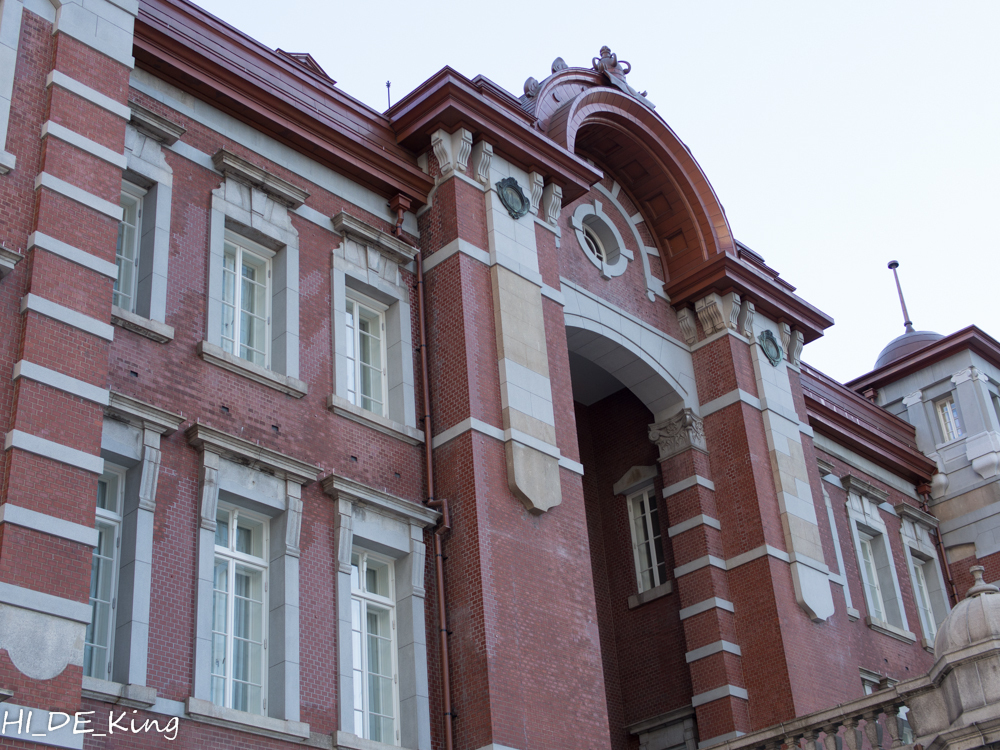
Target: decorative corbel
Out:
[745,323]
[688,328]
[537,184]
[441,143]
[683,431]
[208,487]
[461,147]
[482,155]
[293,521]
[150,471]
[345,534]
[419,551]
[552,202]
[718,312]
[791,342]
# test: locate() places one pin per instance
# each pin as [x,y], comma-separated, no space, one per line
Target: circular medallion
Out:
[770,347]
[512,197]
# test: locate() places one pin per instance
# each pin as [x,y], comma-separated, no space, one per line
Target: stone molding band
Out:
[55,451]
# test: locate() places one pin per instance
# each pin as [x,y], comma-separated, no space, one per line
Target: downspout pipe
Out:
[400,204]
[925,492]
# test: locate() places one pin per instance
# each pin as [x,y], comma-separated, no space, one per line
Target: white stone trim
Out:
[826,445]
[568,463]
[702,562]
[386,426]
[649,595]
[103,26]
[46,524]
[704,606]
[553,294]
[464,426]
[47,604]
[10,34]
[83,143]
[720,739]
[765,550]
[727,399]
[45,180]
[712,648]
[718,335]
[719,692]
[695,481]
[119,694]
[72,85]
[68,316]
[55,451]
[532,442]
[691,523]
[248,136]
[207,712]
[73,254]
[53,379]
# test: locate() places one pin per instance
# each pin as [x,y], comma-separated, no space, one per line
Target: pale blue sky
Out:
[837,135]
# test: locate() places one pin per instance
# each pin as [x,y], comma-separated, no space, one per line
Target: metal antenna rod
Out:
[894,264]
[388,92]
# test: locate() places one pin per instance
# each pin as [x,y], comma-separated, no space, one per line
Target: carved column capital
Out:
[679,433]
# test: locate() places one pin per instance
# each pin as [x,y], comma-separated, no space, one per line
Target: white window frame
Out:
[922,597]
[364,599]
[930,594]
[135,195]
[869,575]
[866,524]
[948,419]
[372,520]
[233,557]
[111,519]
[243,246]
[368,270]
[658,574]
[251,215]
[353,340]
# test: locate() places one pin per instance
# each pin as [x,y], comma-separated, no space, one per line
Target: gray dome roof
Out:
[976,618]
[908,343]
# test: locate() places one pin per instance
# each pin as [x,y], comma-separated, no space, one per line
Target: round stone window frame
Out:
[616,255]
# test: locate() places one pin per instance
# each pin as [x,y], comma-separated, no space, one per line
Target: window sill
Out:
[348,741]
[853,614]
[209,713]
[8,259]
[159,332]
[346,409]
[637,600]
[133,696]
[892,631]
[216,355]
[927,644]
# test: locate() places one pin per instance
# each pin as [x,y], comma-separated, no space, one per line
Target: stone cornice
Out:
[340,487]
[247,453]
[8,259]
[154,125]
[905,510]
[971,338]
[399,251]
[771,296]
[141,414]
[449,100]
[241,170]
[866,489]
[846,418]
[191,49]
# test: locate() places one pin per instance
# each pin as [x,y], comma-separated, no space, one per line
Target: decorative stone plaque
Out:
[512,197]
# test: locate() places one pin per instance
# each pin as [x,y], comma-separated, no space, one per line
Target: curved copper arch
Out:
[610,108]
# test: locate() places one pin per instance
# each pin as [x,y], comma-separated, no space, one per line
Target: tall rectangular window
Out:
[647,547]
[948,416]
[127,249]
[246,300]
[98,642]
[239,613]
[872,587]
[921,593]
[374,647]
[366,374]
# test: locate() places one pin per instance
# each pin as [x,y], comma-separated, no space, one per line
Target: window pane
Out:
[355,571]
[102,573]
[377,577]
[107,492]
[249,536]
[126,251]
[222,529]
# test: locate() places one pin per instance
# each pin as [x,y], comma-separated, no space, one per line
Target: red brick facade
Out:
[545,648]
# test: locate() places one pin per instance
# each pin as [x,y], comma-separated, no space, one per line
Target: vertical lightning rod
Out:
[894,264]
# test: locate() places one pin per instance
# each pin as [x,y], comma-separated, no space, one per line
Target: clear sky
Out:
[838,135]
